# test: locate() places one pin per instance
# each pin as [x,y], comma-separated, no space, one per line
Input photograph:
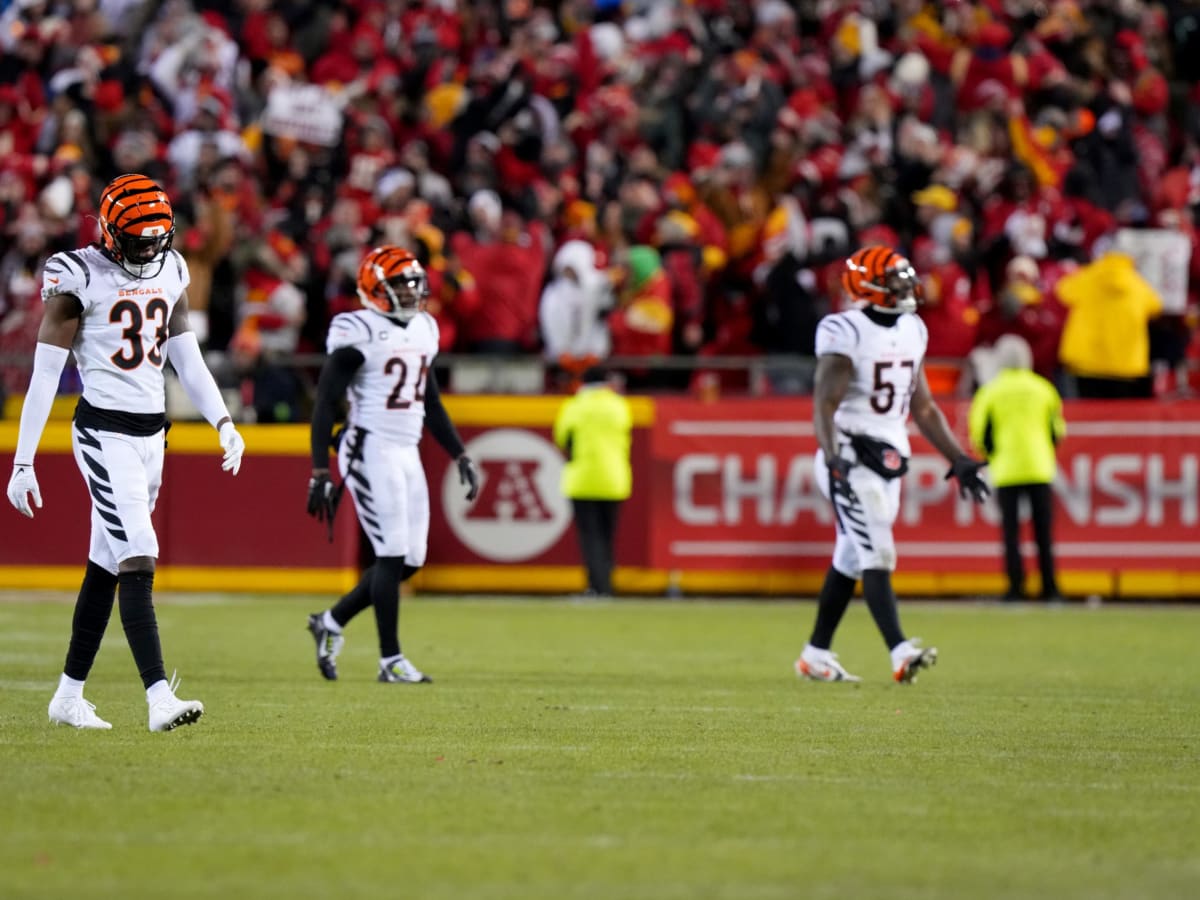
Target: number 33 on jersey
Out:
[124,325]
[387,395]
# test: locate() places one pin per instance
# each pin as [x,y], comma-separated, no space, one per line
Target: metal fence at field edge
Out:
[470,373]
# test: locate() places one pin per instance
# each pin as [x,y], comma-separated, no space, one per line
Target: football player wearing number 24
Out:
[121,306]
[870,378]
[382,357]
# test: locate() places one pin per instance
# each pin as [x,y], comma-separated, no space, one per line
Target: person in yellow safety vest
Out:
[594,428]
[1016,420]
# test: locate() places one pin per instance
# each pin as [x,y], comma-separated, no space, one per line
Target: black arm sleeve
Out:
[437,420]
[336,375]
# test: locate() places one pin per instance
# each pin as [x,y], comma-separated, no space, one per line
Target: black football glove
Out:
[839,480]
[966,471]
[468,475]
[323,499]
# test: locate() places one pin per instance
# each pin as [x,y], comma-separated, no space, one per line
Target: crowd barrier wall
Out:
[725,503]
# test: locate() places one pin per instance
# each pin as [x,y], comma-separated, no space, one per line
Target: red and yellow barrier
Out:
[724,503]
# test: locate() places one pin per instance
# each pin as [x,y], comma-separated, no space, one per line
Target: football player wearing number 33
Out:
[870,378]
[122,307]
[382,356]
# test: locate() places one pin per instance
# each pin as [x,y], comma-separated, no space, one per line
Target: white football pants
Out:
[390,494]
[123,474]
[864,527]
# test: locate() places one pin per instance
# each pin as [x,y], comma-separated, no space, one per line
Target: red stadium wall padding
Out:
[203,516]
[724,500]
[733,486]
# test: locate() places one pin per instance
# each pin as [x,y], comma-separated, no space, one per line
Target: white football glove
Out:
[20,486]
[234,447]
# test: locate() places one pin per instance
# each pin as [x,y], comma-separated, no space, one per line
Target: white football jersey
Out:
[886,363]
[387,395]
[120,344]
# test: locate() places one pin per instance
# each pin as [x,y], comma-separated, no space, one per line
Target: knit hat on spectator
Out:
[911,73]
[678,191]
[578,212]
[485,204]
[938,196]
[675,227]
[993,36]
[702,156]
[392,182]
[644,264]
[57,198]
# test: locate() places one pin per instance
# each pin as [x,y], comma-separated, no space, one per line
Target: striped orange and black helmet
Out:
[882,277]
[137,225]
[392,282]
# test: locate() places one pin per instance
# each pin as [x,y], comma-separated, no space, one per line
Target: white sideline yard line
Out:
[659,708]
[966,549]
[824,778]
[26,659]
[12,684]
[34,637]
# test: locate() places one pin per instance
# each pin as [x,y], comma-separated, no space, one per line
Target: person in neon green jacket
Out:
[1016,420]
[595,428]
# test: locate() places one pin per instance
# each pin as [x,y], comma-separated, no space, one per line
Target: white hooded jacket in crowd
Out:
[574,304]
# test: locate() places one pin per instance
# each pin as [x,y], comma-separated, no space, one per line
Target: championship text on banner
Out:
[733,488]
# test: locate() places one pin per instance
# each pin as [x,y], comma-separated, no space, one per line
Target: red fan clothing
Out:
[509,275]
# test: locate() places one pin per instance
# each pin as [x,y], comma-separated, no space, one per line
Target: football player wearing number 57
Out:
[122,307]
[870,379]
[382,356]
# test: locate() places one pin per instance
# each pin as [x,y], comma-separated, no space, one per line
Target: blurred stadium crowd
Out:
[590,177]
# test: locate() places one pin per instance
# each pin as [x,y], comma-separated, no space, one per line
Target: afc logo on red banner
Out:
[520,511]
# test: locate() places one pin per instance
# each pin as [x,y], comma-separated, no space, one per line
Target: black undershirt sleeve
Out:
[336,375]
[437,420]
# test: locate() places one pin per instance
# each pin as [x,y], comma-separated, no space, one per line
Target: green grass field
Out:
[620,750]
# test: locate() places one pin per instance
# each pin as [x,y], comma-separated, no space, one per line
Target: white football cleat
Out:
[910,658]
[399,670]
[822,665]
[76,712]
[170,712]
[329,645]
